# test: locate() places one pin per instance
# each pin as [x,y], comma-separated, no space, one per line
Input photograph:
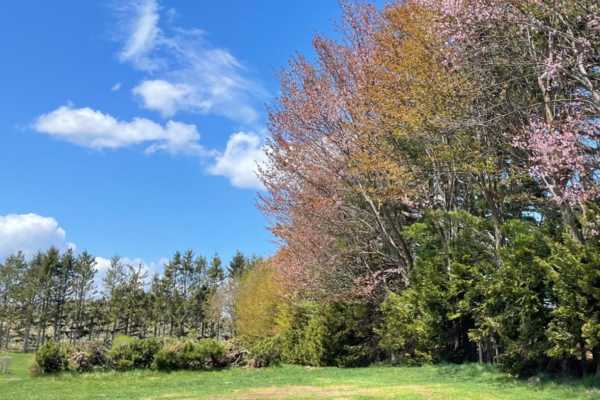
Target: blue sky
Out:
[133,127]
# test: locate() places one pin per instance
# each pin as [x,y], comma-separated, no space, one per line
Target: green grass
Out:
[466,382]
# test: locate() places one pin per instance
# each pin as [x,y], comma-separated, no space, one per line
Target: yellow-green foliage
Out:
[258,301]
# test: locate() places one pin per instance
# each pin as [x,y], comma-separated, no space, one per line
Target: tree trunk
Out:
[26,336]
[596,355]
[1,333]
[583,359]
[569,220]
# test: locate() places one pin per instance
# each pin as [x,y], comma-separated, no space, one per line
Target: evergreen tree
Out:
[237,265]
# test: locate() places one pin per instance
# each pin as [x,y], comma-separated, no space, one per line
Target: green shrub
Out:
[80,361]
[351,356]
[121,340]
[312,341]
[146,350]
[265,352]
[97,354]
[135,353]
[207,354]
[334,334]
[50,358]
[236,353]
[190,354]
[406,330]
[170,357]
[522,362]
[292,346]
[87,356]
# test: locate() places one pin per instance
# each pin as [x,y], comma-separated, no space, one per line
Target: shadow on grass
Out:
[490,374]
[589,382]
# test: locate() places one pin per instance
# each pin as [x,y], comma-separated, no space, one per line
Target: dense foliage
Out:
[438,167]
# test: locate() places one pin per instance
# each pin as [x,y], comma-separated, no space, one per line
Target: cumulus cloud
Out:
[30,233]
[97,130]
[186,72]
[102,264]
[239,163]
[163,96]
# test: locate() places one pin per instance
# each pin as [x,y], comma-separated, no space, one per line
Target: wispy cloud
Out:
[185,72]
[139,21]
[97,130]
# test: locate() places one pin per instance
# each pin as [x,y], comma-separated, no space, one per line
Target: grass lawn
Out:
[290,382]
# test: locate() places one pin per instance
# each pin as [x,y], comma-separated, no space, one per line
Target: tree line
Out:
[433,175]
[54,296]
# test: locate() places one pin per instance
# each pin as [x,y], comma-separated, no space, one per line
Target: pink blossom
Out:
[564,157]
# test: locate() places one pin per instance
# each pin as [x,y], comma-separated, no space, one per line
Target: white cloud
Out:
[149,268]
[239,162]
[102,264]
[164,97]
[186,72]
[140,19]
[29,233]
[181,71]
[95,129]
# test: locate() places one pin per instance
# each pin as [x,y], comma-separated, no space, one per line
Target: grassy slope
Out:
[445,382]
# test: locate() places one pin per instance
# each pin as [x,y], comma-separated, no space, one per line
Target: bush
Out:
[208,354]
[312,342]
[406,331]
[265,352]
[134,353]
[190,354]
[50,358]
[333,334]
[523,362]
[169,357]
[292,338]
[121,340]
[353,356]
[87,356]
[97,354]
[131,353]
[80,361]
[236,354]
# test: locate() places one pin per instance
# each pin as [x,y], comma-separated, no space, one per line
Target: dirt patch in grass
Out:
[432,392]
[308,392]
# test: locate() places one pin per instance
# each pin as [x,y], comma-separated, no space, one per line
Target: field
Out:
[290,382]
